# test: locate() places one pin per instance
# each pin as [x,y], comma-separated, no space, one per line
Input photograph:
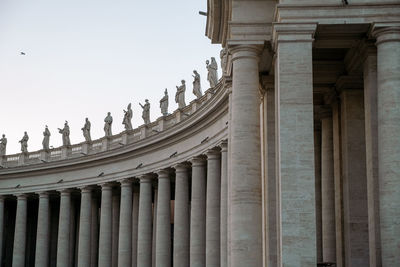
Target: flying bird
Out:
[22,53]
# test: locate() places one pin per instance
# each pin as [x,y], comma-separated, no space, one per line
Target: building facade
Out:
[292,159]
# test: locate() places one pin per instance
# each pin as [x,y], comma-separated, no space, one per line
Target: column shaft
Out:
[84,228]
[125,224]
[115,227]
[163,227]
[224,205]
[135,218]
[1,226]
[318,202]
[388,44]
[328,192]
[295,144]
[181,217]
[43,231]
[20,232]
[245,186]
[144,223]
[198,214]
[213,209]
[63,244]
[155,206]
[94,235]
[105,236]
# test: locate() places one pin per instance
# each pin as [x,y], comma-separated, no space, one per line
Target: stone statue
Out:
[196,84]
[180,95]
[24,143]
[224,58]
[127,118]
[3,145]
[146,111]
[86,131]
[65,134]
[46,139]
[107,124]
[164,103]
[212,76]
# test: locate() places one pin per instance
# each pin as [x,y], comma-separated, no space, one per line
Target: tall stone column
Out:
[125,224]
[63,244]
[371,145]
[327,189]
[94,235]
[105,236]
[245,183]
[43,231]
[295,144]
[181,217]
[135,218]
[388,44]
[355,207]
[198,213]
[1,225]
[163,227]
[20,232]
[213,208]
[224,204]
[144,222]
[115,226]
[155,205]
[318,201]
[84,227]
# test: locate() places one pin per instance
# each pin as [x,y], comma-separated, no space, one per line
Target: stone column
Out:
[144,223]
[84,227]
[115,227]
[181,216]
[105,236]
[213,208]
[245,184]
[371,145]
[135,216]
[125,224]
[355,207]
[155,205]
[198,213]
[43,231]
[224,204]
[163,227]
[318,202]
[1,224]
[63,244]
[94,235]
[388,44]
[327,189]
[20,232]
[295,144]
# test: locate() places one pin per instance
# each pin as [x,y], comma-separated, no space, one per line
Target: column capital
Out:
[2,197]
[224,145]
[323,112]
[145,178]
[86,189]
[21,196]
[162,174]
[125,182]
[198,161]
[213,153]
[245,51]
[65,191]
[106,186]
[292,32]
[43,194]
[181,167]
[386,32]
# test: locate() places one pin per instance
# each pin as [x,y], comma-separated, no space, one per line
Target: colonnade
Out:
[170,217]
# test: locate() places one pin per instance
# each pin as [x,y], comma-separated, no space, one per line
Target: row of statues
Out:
[212,78]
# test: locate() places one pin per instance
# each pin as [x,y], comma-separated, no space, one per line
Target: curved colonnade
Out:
[149,197]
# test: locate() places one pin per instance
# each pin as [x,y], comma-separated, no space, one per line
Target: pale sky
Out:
[85,58]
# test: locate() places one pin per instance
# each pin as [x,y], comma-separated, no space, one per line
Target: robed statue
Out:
[3,145]
[65,134]
[212,76]
[196,84]
[146,111]
[24,143]
[46,139]
[86,131]
[164,103]
[127,118]
[180,95]
[107,124]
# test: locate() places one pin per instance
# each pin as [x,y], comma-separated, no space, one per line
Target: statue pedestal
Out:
[44,155]
[178,116]
[2,160]
[65,152]
[105,144]
[195,105]
[22,159]
[162,124]
[125,136]
[143,131]
[85,148]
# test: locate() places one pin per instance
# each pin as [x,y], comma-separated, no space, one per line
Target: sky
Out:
[85,58]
